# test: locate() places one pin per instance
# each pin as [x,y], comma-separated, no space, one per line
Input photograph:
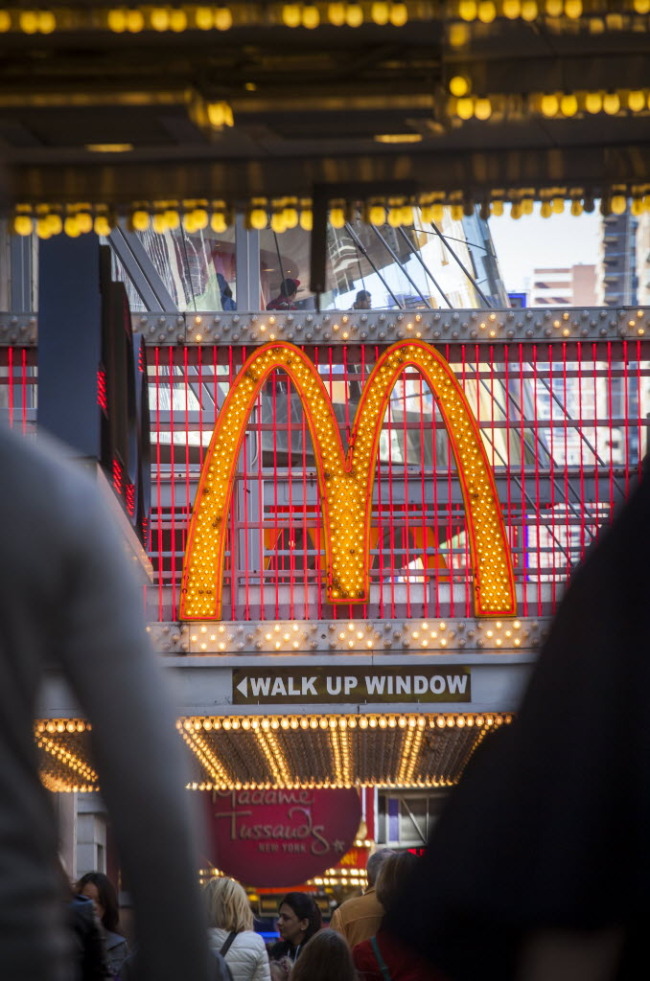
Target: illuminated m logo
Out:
[346,479]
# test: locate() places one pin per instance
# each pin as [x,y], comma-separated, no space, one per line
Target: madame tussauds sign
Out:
[280,837]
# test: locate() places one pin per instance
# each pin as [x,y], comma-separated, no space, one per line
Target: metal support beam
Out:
[247,266]
[141,271]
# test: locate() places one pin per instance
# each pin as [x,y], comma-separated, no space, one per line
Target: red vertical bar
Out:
[23,390]
[524,543]
[159,536]
[233,551]
[291,533]
[424,507]
[10,382]
[391,508]
[610,424]
[186,505]
[626,421]
[640,428]
[582,414]
[406,530]
[305,518]
[320,577]
[509,465]
[596,415]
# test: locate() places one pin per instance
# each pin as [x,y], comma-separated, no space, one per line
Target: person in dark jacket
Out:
[298,920]
[100,890]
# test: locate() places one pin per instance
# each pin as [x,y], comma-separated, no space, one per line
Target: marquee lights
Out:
[338,743]
[346,479]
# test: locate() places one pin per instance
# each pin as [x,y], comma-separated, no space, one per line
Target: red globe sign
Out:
[277,838]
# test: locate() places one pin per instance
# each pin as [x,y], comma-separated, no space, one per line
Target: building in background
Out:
[556,286]
[617,272]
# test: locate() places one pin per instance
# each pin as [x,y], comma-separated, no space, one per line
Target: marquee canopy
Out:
[191,109]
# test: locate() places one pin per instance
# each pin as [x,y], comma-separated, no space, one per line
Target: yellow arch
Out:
[346,479]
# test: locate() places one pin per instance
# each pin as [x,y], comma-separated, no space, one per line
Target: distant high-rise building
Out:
[643,259]
[558,286]
[617,279]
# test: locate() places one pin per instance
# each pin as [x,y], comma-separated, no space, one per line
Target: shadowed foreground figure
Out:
[539,868]
[68,600]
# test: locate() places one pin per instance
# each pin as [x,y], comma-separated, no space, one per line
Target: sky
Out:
[531,242]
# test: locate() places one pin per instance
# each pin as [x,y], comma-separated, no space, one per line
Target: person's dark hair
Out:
[289,286]
[107,897]
[375,862]
[326,957]
[305,909]
[393,872]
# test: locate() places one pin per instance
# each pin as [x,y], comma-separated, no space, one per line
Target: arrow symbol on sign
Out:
[243,687]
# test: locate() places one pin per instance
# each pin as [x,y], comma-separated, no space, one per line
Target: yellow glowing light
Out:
[310,16]
[222,18]
[336,14]
[337,217]
[109,147]
[291,13]
[379,13]
[459,85]
[399,14]
[398,138]
[568,105]
[346,479]
[23,225]
[354,14]
[611,103]
[593,102]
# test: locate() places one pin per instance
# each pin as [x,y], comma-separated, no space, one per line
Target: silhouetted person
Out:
[539,866]
[69,602]
[363,301]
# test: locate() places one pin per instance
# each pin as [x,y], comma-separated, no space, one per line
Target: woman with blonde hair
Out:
[231,933]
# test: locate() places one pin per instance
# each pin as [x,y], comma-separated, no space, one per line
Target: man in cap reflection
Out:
[287,297]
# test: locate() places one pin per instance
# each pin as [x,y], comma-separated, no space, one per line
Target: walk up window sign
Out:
[320,685]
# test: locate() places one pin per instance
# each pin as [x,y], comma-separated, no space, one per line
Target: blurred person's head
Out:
[326,957]
[374,864]
[298,918]
[99,888]
[289,288]
[363,300]
[393,872]
[227,905]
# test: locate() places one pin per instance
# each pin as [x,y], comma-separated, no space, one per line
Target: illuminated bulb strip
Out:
[342,753]
[275,757]
[346,479]
[411,748]
[206,757]
[68,759]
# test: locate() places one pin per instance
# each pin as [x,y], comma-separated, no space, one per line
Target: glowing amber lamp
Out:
[346,479]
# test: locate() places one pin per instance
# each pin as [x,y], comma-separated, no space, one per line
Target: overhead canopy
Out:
[387,750]
[467,103]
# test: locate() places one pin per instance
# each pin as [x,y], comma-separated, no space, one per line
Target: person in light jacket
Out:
[230,921]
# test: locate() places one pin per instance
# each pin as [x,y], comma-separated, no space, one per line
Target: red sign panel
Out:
[280,837]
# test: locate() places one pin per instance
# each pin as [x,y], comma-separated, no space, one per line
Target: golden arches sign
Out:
[346,479]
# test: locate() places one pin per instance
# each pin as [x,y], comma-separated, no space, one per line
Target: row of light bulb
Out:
[486,11]
[253,723]
[177,18]
[551,105]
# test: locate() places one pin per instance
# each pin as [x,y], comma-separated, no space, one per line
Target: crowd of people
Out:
[355,947]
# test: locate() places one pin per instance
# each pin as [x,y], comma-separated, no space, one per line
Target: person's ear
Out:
[304,925]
